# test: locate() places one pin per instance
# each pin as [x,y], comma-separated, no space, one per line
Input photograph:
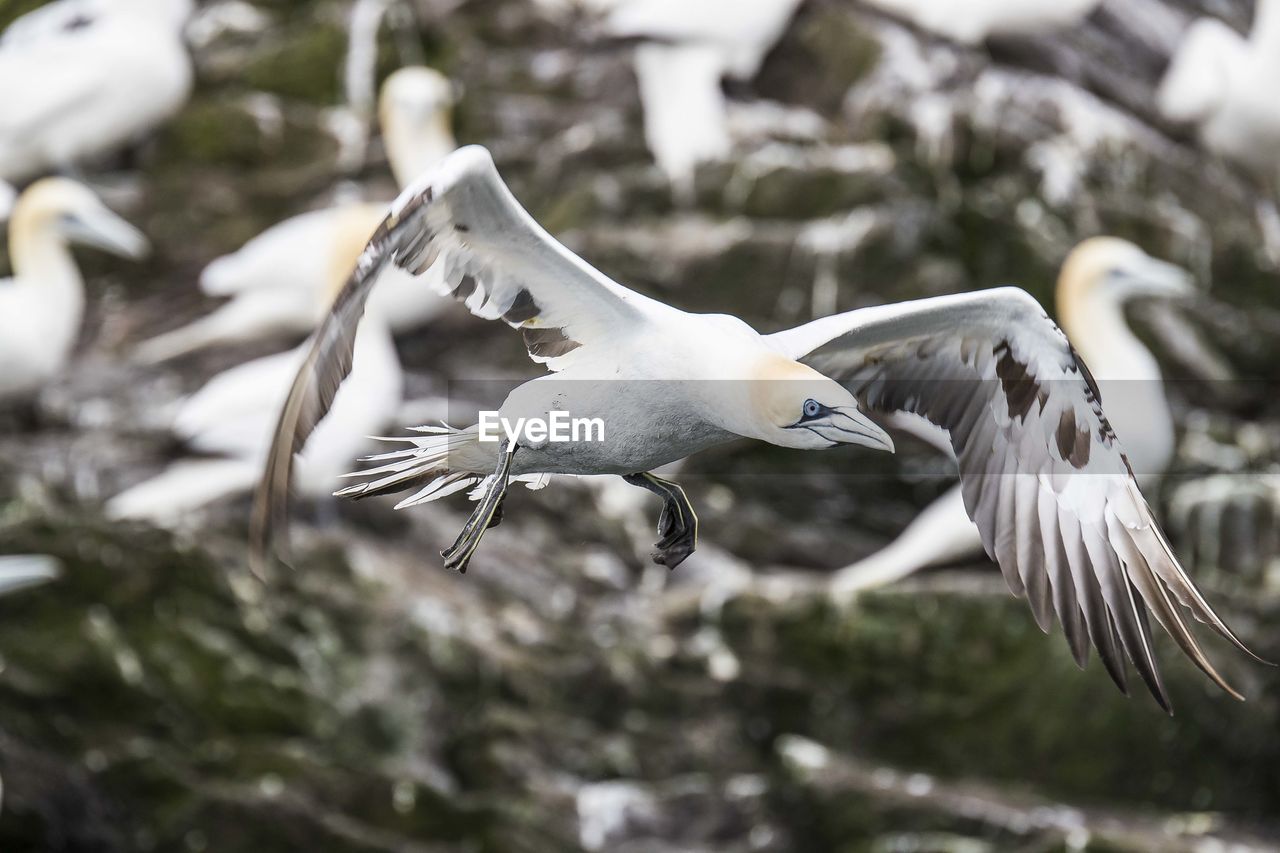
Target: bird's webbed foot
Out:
[488,513]
[678,523]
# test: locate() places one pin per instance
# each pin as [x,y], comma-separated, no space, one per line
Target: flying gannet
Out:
[1043,474]
[23,571]
[81,80]
[1225,86]
[1096,281]
[42,306]
[276,282]
[972,21]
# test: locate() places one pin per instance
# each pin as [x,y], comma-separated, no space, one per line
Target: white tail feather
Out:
[451,454]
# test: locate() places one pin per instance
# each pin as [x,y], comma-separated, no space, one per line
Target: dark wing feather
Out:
[1042,473]
[482,248]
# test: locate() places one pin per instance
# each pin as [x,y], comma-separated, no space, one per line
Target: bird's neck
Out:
[414,149]
[1128,377]
[1097,328]
[44,269]
[42,262]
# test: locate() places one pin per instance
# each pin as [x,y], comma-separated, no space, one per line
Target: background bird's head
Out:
[415,109]
[1115,270]
[71,211]
[793,405]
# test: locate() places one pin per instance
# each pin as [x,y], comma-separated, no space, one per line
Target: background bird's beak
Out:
[102,229]
[847,425]
[1159,279]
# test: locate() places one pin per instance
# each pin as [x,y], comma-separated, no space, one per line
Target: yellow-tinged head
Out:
[62,209]
[415,110]
[793,405]
[1115,270]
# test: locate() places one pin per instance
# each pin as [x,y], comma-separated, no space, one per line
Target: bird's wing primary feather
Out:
[1042,473]
[495,258]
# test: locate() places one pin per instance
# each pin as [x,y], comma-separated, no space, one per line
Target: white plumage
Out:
[1042,473]
[80,79]
[689,49]
[231,419]
[1225,85]
[42,306]
[279,282]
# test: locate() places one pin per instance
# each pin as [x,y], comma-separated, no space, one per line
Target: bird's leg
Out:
[678,523]
[487,513]
[496,518]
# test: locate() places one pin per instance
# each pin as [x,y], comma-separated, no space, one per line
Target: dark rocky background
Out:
[565,694]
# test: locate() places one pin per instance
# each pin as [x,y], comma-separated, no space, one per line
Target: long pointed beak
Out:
[104,230]
[1162,279]
[847,425]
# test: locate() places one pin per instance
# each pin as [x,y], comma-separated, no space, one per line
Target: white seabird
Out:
[277,282]
[1043,474]
[229,423]
[688,50]
[23,571]
[1098,278]
[1225,85]
[84,79]
[42,306]
[972,21]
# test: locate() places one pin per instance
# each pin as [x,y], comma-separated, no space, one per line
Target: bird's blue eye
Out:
[811,408]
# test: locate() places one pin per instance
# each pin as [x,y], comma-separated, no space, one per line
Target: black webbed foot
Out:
[678,523]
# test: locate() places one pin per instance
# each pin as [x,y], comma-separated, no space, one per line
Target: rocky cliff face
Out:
[565,694]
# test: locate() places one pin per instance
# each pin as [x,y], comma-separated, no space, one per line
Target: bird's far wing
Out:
[459,218]
[1043,475]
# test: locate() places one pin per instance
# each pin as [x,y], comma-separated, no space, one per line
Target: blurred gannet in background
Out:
[23,571]
[1226,86]
[972,21]
[42,306]
[80,80]
[277,281]
[689,49]
[1097,279]
[1043,474]
[229,421]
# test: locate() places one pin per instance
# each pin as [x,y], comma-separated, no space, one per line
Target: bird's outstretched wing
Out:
[459,218]
[1043,475]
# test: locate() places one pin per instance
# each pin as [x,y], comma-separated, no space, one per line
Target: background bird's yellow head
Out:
[62,209]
